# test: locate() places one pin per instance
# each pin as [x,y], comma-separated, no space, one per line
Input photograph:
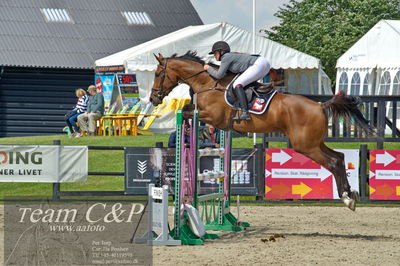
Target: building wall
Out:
[34,101]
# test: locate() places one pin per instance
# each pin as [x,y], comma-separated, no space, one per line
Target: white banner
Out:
[43,163]
[352,162]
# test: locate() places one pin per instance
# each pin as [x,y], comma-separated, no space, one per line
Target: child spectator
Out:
[80,107]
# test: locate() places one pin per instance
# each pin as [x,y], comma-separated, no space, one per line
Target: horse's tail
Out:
[346,106]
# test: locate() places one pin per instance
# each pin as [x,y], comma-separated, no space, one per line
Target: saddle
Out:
[258,96]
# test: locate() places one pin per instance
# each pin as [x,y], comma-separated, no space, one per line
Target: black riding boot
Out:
[243,103]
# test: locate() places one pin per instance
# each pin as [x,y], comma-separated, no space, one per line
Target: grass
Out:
[113,161]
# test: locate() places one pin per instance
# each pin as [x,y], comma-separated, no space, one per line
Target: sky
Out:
[239,12]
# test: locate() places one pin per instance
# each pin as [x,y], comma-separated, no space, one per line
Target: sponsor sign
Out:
[291,175]
[384,175]
[105,85]
[43,163]
[153,165]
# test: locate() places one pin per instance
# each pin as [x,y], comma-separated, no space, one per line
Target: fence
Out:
[57,193]
[382,111]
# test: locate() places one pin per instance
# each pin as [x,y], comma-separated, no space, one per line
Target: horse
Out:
[304,121]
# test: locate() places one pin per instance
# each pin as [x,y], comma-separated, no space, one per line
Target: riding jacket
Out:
[235,63]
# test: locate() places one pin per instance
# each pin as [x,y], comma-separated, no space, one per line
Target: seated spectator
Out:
[95,110]
[79,108]
[172,138]
[209,137]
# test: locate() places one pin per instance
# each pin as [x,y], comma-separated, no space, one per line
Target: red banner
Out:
[384,175]
[291,175]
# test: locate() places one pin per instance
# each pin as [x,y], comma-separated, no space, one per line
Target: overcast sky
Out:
[239,12]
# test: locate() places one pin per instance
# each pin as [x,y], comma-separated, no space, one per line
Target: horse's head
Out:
[164,81]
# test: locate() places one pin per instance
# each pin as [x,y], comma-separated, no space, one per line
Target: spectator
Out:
[95,110]
[209,137]
[172,138]
[80,108]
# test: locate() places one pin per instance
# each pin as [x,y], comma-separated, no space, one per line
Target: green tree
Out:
[328,28]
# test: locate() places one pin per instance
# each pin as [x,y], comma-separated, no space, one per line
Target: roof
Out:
[97,28]
[379,47]
[200,38]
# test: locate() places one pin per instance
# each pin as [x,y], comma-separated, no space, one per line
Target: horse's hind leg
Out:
[339,171]
[334,162]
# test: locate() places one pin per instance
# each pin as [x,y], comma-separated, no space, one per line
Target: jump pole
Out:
[214,207]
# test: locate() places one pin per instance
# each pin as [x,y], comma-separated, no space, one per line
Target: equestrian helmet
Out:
[220,46]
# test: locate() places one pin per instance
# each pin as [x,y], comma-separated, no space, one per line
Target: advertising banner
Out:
[152,165]
[105,85]
[384,175]
[129,89]
[291,175]
[243,172]
[43,163]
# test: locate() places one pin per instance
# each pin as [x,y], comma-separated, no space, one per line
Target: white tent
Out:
[303,73]
[372,65]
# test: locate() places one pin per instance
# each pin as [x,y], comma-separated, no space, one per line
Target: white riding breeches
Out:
[258,70]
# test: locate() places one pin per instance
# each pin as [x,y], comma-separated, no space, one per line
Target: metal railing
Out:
[57,192]
[381,111]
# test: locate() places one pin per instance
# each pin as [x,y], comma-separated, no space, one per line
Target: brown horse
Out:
[304,121]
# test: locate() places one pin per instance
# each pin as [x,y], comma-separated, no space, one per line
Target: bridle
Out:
[164,74]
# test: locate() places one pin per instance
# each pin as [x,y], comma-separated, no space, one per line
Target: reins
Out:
[164,74]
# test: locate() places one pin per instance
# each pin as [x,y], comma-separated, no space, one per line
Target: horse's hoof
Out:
[355,195]
[350,203]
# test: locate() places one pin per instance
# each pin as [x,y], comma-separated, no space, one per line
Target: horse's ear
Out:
[159,58]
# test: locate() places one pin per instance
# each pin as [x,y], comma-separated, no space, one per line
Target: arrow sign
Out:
[299,158]
[385,158]
[371,174]
[387,174]
[301,189]
[385,190]
[321,173]
[267,173]
[280,189]
[280,157]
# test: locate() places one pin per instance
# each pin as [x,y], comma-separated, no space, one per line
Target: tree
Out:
[327,28]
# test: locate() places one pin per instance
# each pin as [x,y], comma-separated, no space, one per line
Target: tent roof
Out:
[200,38]
[379,47]
[73,34]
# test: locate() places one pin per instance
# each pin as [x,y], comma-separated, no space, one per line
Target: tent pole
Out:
[319,79]
[254,51]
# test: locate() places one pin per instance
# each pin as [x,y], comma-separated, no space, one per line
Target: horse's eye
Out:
[157,75]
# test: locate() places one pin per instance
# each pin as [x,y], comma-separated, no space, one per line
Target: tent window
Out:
[365,84]
[396,84]
[137,18]
[343,82]
[396,91]
[385,84]
[355,84]
[56,15]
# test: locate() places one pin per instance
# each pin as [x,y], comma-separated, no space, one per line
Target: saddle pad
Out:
[258,103]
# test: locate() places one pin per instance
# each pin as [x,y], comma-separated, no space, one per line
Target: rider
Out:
[251,67]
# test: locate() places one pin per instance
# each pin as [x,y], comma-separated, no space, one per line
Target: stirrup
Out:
[245,115]
[241,117]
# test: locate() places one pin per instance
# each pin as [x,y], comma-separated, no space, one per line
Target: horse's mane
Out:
[192,55]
